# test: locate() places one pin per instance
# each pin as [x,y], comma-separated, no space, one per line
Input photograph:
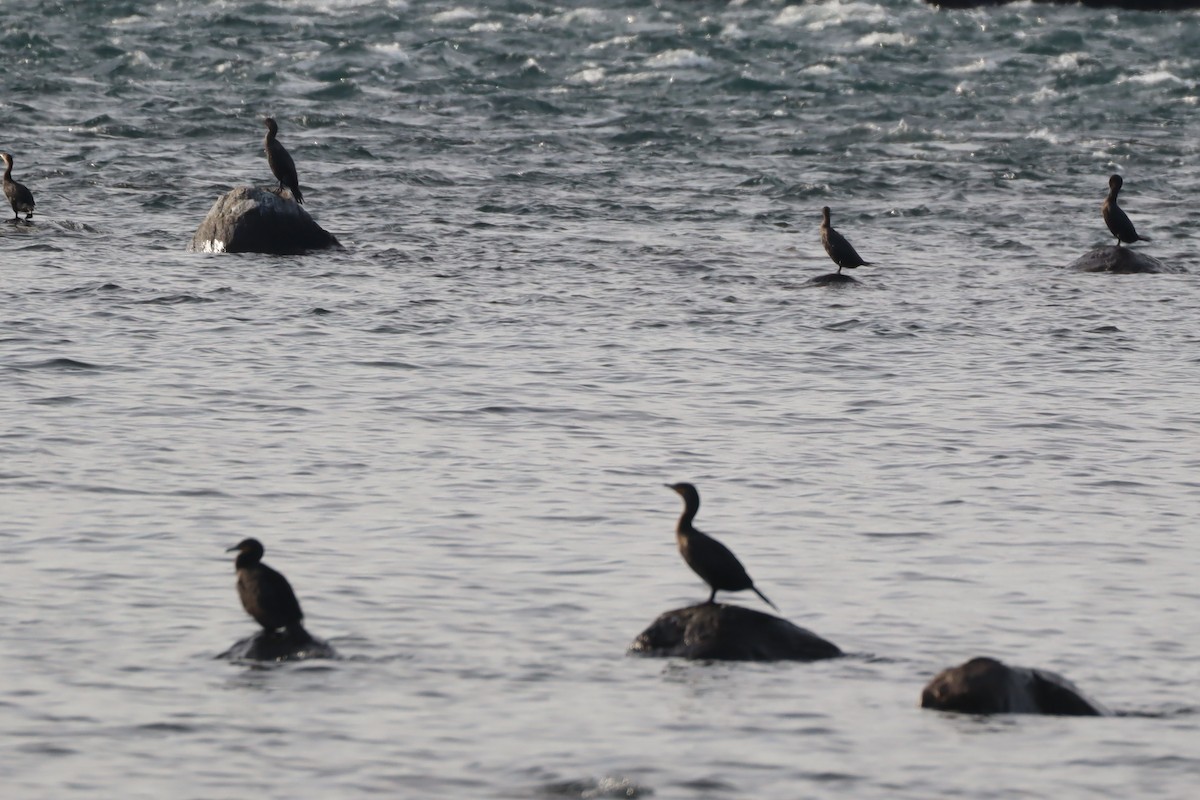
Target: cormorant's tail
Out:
[297,632]
[764,597]
[1143,238]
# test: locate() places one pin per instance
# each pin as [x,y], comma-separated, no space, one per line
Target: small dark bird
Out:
[1116,219]
[707,557]
[18,194]
[266,595]
[841,251]
[282,166]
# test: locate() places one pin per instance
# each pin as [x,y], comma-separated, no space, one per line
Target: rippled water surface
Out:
[578,241]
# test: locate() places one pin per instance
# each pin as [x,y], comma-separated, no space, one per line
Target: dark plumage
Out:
[1116,219]
[841,251]
[18,194]
[266,595]
[707,557]
[282,166]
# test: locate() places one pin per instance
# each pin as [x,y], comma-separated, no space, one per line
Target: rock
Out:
[987,686]
[1133,5]
[729,633]
[832,279]
[279,646]
[252,220]
[1120,260]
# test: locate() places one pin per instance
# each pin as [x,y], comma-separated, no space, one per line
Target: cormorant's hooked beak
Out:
[237,547]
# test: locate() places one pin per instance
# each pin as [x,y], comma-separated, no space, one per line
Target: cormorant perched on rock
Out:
[707,557]
[280,161]
[1115,218]
[841,251]
[18,194]
[266,595]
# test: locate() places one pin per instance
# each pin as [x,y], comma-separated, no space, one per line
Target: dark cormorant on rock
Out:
[280,161]
[18,194]
[1115,218]
[266,595]
[841,251]
[708,558]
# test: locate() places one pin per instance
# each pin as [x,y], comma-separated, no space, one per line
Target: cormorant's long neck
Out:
[7,171]
[1112,195]
[689,513]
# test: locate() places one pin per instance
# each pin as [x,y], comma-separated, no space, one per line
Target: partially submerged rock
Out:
[253,220]
[832,279]
[280,645]
[1120,260]
[730,633]
[987,686]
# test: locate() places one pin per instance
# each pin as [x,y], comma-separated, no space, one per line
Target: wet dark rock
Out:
[729,633]
[832,279]
[987,686]
[1133,5]
[253,220]
[1119,260]
[281,645]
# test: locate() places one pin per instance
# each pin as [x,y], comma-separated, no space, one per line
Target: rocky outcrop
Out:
[1119,260]
[296,645]
[252,220]
[987,686]
[729,633]
[832,279]
[1133,5]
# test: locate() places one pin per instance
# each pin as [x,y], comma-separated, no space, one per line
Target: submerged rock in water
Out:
[832,279]
[730,633]
[987,686]
[279,646]
[1120,260]
[252,220]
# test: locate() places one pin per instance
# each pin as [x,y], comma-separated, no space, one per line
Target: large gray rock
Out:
[253,220]
[729,633]
[987,686]
[1120,260]
[282,645]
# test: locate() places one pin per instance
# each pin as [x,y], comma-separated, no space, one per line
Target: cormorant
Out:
[266,595]
[282,166]
[841,251]
[1116,219]
[707,557]
[18,194]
